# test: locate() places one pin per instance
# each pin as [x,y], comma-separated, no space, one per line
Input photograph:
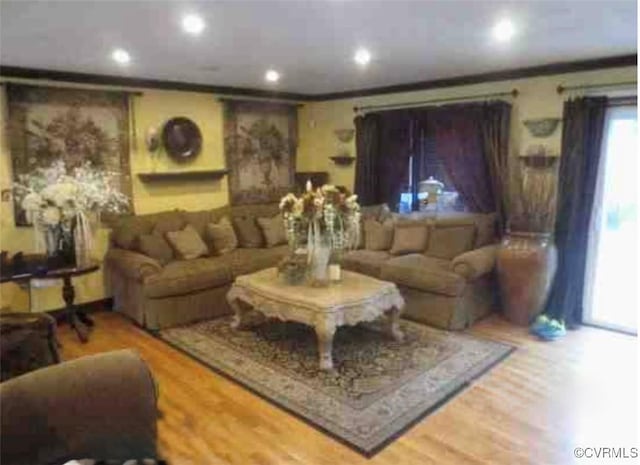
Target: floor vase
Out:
[526,265]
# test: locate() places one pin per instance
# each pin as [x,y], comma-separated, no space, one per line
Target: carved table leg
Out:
[69,295]
[393,324]
[240,313]
[324,333]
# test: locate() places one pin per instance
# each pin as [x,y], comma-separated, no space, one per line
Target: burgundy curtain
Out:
[457,131]
[495,126]
[384,142]
[396,146]
[368,154]
[582,132]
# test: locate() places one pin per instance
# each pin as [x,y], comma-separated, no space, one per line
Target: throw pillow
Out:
[156,247]
[409,239]
[378,212]
[187,243]
[377,235]
[273,230]
[451,241]
[221,237]
[248,232]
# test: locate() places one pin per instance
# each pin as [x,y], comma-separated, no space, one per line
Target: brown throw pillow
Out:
[187,243]
[451,241]
[273,230]
[221,237]
[248,232]
[378,236]
[154,246]
[409,239]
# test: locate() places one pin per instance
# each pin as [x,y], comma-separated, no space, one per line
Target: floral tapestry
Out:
[260,149]
[77,126]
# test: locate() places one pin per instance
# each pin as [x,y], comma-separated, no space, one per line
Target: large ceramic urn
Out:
[526,265]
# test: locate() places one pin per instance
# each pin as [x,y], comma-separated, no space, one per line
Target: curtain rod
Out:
[560,89]
[80,86]
[513,93]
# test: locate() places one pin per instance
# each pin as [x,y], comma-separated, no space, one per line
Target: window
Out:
[612,271]
[427,164]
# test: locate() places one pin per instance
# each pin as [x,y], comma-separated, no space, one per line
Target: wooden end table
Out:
[80,322]
[355,299]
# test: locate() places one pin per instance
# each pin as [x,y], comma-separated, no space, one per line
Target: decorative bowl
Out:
[344,135]
[541,127]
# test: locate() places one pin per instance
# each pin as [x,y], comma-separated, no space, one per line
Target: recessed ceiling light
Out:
[362,56]
[272,75]
[504,30]
[121,56]
[193,24]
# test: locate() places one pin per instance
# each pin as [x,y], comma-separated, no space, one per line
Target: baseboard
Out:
[87,307]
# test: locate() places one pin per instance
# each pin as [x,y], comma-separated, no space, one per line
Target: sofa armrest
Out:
[475,263]
[98,407]
[134,265]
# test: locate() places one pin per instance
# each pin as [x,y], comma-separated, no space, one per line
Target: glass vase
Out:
[319,265]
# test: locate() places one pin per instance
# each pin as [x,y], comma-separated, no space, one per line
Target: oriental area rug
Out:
[377,389]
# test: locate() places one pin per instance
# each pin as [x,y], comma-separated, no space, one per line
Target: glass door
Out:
[611,298]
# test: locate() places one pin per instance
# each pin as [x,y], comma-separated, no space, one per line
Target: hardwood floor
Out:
[534,407]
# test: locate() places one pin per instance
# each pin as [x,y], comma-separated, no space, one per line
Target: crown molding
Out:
[504,75]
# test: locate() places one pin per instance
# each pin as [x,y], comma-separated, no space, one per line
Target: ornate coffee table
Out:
[356,299]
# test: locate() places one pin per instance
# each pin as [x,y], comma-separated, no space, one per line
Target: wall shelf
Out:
[343,160]
[200,175]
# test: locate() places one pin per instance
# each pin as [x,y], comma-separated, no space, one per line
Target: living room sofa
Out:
[449,284]
[101,406]
[182,291]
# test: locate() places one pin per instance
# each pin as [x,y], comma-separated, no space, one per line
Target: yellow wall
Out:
[538,98]
[151,109]
[317,143]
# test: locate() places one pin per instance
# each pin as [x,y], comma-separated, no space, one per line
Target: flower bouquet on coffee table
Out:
[320,223]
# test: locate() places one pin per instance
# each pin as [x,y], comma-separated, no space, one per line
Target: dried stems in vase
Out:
[533,205]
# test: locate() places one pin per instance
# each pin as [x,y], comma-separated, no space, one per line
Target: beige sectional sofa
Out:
[449,284]
[182,291]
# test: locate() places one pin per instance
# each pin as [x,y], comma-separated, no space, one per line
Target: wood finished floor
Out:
[535,407]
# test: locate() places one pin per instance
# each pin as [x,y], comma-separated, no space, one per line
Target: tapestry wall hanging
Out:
[260,150]
[74,125]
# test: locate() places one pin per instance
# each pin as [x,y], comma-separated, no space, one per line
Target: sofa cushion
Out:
[259,210]
[199,220]
[221,237]
[171,221]
[423,273]
[126,231]
[183,277]
[377,235]
[187,244]
[485,229]
[245,261]
[127,228]
[154,246]
[248,232]
[364,261]
[409,238]
[378,212]
[450,241]
[273,230]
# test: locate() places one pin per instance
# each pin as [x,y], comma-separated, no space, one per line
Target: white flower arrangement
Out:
[53,198]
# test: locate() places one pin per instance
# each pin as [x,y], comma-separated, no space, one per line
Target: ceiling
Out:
[311,43]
